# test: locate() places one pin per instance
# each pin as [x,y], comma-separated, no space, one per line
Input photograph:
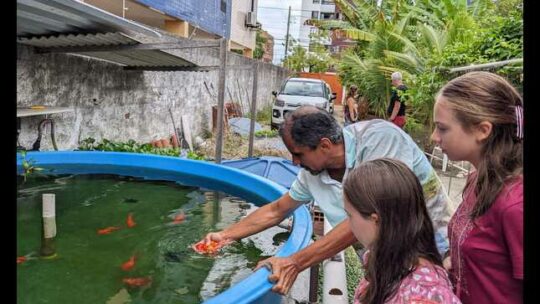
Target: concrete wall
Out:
[111,103]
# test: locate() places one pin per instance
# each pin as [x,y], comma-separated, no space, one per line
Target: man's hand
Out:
[284,272]
[215,236]
[218,237]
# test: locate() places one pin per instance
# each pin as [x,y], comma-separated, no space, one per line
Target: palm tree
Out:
[398,35]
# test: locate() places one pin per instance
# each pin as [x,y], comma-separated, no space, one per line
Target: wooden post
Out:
[221,97]
[253,107]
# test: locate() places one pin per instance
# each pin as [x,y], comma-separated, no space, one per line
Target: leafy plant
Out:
[196,156]
[316,59]
[28,166]
[90,144]
[264,114]
[258,53]
[266,133]
[423,39]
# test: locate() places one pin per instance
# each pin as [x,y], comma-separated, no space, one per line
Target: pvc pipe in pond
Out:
[334,278]
[49,225]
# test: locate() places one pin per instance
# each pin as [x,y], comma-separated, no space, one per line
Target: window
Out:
[303,88]
[327,2]
[327,15]
[316,1]
[327,91]
[314,15]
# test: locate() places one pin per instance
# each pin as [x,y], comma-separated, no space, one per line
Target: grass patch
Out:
[264,115]
[353,271]
[266,133]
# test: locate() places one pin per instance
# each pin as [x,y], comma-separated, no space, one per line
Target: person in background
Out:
[350,111]
[396,107]
[402,264]
[479,118]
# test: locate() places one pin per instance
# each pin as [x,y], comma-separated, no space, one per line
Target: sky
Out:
[272,14]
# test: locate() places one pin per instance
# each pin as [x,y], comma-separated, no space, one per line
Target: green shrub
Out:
[90,144]
[266,133]
[264,115]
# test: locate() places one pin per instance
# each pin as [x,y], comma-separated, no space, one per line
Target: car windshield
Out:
[303,88]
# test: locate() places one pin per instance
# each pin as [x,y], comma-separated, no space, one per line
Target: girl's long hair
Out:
[388,188]
[482,96]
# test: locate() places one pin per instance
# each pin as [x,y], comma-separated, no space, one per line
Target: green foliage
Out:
[264,115]
[317,59]
[353,271]
[90,144]
[195,156]
[28,166]
[266,133]
[258,53]
[423,40]
[505,39]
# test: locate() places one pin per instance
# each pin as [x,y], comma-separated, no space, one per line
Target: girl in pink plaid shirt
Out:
[385,204]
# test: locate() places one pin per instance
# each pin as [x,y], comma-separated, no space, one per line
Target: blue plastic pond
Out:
[258,190]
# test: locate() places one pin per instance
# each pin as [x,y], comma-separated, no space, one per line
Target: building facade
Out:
[194,19]
[315,9]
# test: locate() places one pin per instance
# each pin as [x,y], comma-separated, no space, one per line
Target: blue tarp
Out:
[241,125]
[276,169]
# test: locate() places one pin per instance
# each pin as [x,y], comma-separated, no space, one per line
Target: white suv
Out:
[297,92]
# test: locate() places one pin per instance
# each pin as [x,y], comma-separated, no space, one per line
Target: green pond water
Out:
[87,268]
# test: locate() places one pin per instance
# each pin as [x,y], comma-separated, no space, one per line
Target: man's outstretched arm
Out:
[285,270]
[264,217]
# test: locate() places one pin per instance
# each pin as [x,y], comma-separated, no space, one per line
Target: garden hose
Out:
[37,143]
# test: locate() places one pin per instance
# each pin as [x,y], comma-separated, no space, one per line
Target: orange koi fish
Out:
[130,222]
[127,266]
[107,230]
[137,282]
[21,259]
[180,217]
[210,248]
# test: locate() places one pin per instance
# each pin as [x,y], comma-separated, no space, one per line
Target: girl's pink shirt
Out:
[487,253]
[427,284]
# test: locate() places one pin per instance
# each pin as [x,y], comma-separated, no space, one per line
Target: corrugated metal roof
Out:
[49,17]
[131,58]
[79,40]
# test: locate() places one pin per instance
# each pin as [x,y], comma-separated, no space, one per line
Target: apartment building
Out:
[315,9]
[195,19]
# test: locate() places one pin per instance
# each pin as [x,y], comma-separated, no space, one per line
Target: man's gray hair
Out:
[307,125]
[396,76]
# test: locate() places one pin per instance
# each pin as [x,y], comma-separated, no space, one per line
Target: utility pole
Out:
[287,36]
[221,97]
